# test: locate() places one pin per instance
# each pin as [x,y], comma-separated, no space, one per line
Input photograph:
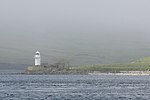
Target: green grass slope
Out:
[142,64]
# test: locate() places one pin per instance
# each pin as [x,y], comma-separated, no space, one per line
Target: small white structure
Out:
[37,59]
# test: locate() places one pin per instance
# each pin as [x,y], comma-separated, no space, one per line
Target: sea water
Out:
[74,87]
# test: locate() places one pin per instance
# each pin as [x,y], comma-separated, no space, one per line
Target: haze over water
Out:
[80,31]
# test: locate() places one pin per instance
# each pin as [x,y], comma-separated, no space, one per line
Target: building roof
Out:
[37,52]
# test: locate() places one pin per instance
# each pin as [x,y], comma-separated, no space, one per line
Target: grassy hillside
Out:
[142,64]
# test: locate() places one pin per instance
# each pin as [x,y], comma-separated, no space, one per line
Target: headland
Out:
[137,67]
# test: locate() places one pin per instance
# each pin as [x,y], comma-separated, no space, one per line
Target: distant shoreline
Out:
[122,73]
[128,73]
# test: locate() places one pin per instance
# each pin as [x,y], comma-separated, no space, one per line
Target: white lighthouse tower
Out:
[37,59]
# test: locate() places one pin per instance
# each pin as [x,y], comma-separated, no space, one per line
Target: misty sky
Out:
[63,28]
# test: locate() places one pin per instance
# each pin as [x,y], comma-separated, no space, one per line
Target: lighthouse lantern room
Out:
[37,59]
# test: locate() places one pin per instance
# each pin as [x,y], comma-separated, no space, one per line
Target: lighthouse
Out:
[37,59]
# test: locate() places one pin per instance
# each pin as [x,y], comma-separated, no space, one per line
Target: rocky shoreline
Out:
[122,73]
[130,73]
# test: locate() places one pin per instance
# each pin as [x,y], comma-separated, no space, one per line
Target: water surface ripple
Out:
[74,87]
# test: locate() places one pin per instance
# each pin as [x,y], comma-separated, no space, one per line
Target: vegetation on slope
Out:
[64,68]
[139,65]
